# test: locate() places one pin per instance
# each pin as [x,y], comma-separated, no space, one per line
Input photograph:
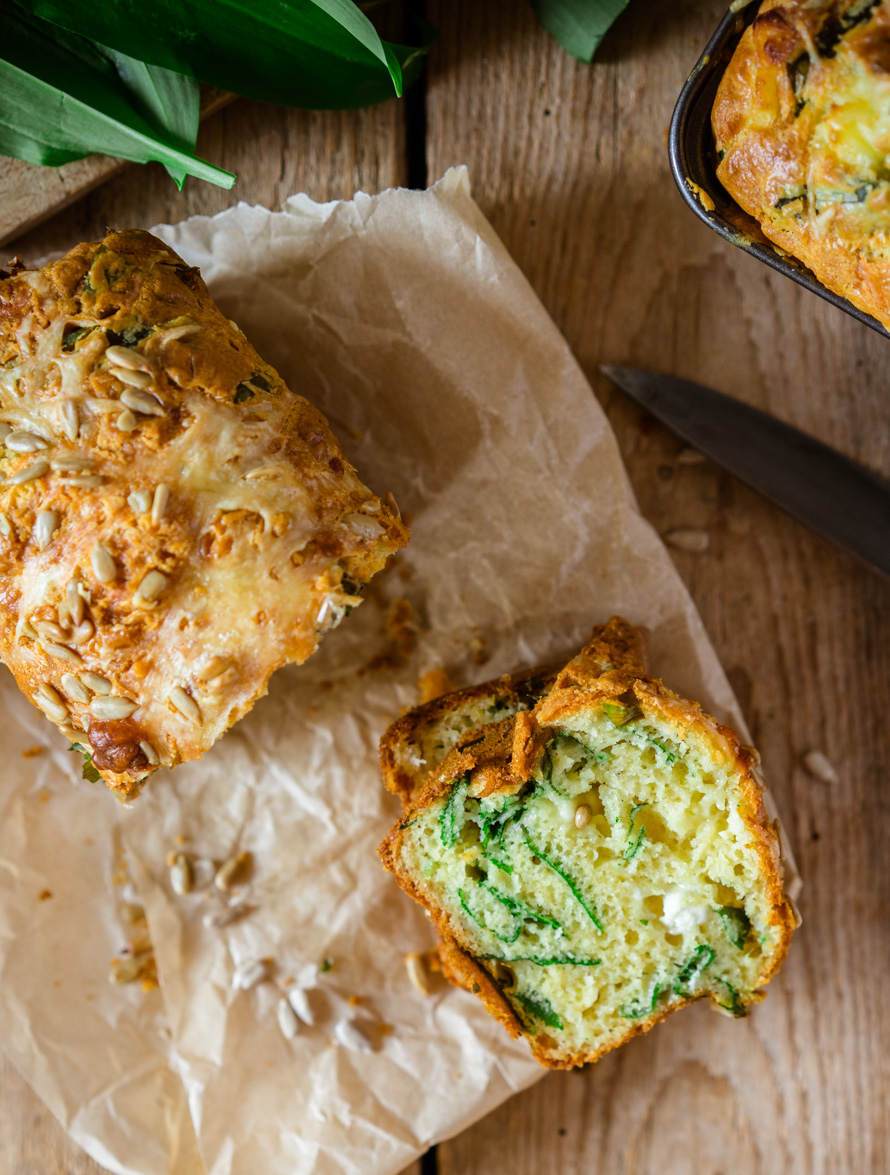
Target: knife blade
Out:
[823,489]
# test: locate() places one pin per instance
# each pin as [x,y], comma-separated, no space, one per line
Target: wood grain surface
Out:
[569,162]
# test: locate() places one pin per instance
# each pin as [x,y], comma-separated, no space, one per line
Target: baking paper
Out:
[402,316]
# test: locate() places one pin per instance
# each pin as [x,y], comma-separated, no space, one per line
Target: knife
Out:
[815,484]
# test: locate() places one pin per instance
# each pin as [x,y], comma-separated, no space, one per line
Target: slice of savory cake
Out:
[415,744]
[598,863]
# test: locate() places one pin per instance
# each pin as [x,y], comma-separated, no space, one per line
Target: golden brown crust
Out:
[173,519]
[800,119]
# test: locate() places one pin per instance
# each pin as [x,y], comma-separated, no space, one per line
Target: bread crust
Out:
[780,124]
[182,524]
[502,757]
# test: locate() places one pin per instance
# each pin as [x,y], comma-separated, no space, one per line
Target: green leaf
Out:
[736,924]
[736,1005]
[316,54]
[89,773]
[701,958]
[539,1007]
[560,871]
[61,99]
[632,847]
[453,816]
[646,1008]
[579,25]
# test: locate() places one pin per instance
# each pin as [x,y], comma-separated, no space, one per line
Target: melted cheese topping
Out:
[175,524]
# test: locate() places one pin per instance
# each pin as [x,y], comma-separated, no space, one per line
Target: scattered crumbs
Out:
[356,1001]
[44,895]
[401,626]
[385,1029]
[88,840]
[327,965]
[287,982]
[180,840]
[434,684]
[406,574]
[32,752]
[479,649]
[90,995]
[43,797]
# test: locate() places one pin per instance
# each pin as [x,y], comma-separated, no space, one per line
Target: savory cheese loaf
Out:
[175,523]
[802,126]
[598,863]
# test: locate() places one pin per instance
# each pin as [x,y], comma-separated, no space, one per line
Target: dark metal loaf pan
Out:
[694,164]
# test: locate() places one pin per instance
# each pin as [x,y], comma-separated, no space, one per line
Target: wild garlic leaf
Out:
[61,99]
[316,54]
[579,25]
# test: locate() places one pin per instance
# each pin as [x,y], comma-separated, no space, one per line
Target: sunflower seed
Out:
[26,629]
[583,814]
[688,538]
[74,602]
[159,503]
[181,874]
[70,419]
[25,442]
[104,566]
[417,972]
[140,501]
[71,464]
[133,379]
[153,583]
[112,707]
[50,703]
[62,653]
[144,402]
[50,630]
[84,481]
[350,1034]
[82,633]
[75,688]
[248,975]
[287,1021]
[214,667]
[184,703]
[690,457]
[362,526]
[5,430]
[29,473]
[45,527]
[234,869]
[5,526]
[298,998]
[125,357]
[820,767]
[177,332]
[224,679]
[99,685]
[126,422]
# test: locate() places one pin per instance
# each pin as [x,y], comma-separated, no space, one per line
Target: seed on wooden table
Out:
[133,379]
[688,538]
[233,870]
[150,753]
[102,563]
[299,1000]
[111,707]
[181,874]
[140,501]
[131,968]
[62,653]
[582,815]
[126,422]
[159,503]
[153,583]
[415,965]
[214,667]
[70,419]
[820,767]
[45,527]
[143,402]
[29,473]
[50,703]
[25,442]
[248,975]
[287,1020]
[5,526]
[184,703]
[349,1034]
[75,688]
[125,357]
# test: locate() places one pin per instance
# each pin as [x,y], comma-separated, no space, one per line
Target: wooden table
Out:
[569,162]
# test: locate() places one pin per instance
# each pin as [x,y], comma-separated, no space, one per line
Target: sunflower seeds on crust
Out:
[287,1021]
[248,975]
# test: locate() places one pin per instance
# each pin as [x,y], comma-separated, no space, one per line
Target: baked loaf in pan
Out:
[802,125]
[175,523]
[598,862]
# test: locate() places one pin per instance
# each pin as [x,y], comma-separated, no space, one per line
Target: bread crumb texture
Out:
[597,864]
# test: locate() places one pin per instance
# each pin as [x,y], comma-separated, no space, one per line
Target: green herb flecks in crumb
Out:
[702,957]
[89,773]
[453,816]
[735,1004]
[646,1008]
[632,847]
[539,1007]
[736,924]
[567,878]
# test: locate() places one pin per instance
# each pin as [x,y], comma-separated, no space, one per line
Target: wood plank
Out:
[30,194]
[569,162]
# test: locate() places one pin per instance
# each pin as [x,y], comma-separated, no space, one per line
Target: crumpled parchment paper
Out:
[403,317]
